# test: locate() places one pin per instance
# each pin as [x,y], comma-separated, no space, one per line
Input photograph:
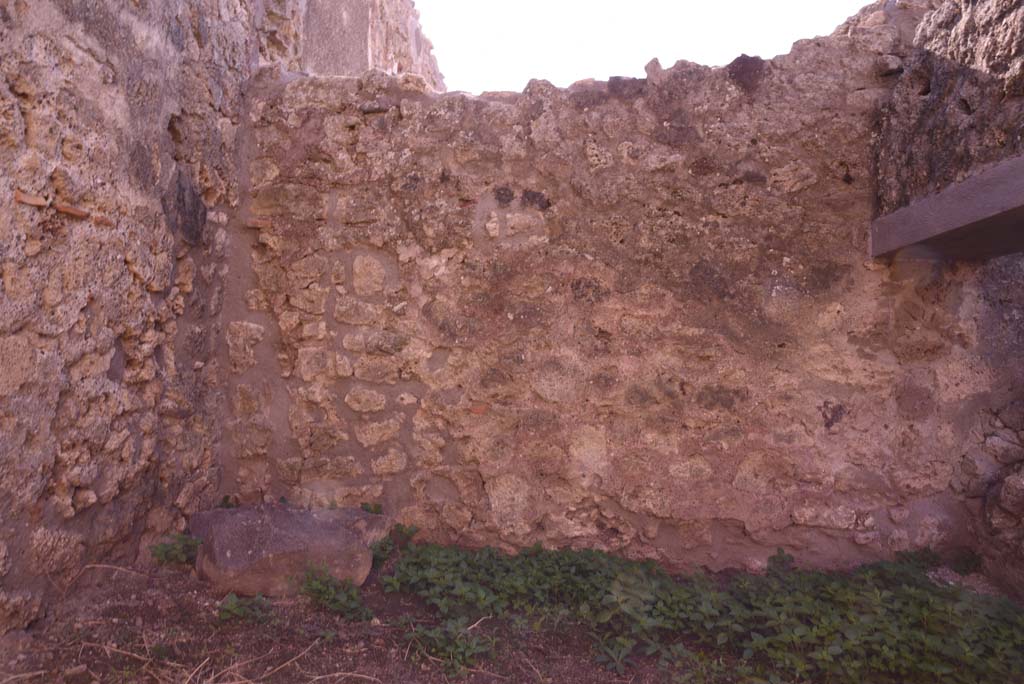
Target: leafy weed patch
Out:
[333,595]
[451,643]
[398,538]
[885,623]
[247,609]
[179,549]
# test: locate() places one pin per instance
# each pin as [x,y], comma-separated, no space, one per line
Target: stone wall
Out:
[348,37]
[634,315]
[116,136]
[118,128]
[958,106]
[959,103]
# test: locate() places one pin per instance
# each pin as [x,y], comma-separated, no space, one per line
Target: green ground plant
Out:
[886,623]
[245,609]
[382,550]
[333,595]
[452,642]
[399,537]
[179,549]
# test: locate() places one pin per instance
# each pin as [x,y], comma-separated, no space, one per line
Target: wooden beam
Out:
[980,217]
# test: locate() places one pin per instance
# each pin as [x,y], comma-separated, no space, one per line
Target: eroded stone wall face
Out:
[959,103]
[958,106]
[637,316]
[349,37]
[118,130]
[397,42]
[634,316]
[117,125]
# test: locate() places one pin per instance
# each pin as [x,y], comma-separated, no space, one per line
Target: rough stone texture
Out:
[633,315]
[118,125]
[985,35]
[264,550]
[960,105]
[121,119]
[347,37]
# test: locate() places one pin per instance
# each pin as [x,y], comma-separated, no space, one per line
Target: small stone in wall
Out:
[314,363]
[243,337]
[354,342]
[307,271]
[931,532]
[691,470]
[19,363]
[1004,445]
[975,473]
[493,225]
[338,273]
[314,331]
[368,276]
[590,458]
[746,72]
[354,312]
[597,157]
[837,518]
[898,514]
[248,400]
[504,196]
[382,369]
[372,434]
[186,274]
[343,367]
[390,463]
[863,538]
[5,559]
[1011,494]
[513,505]
[84,498]
[529,222]
[365,400]
[311,300]
[385,342]
[899,540]
[533,198]
[255,300]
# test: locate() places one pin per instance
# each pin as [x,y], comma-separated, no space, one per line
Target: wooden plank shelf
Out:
[980,217]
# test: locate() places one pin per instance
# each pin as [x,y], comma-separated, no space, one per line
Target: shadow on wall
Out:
[944,121]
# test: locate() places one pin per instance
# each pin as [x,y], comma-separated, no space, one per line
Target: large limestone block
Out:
[265,550]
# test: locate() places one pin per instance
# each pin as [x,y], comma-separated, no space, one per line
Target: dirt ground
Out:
[162,626]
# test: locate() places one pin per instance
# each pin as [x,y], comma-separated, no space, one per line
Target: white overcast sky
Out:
[489,45]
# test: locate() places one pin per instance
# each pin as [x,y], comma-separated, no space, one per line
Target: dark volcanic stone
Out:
[184,209]
[263,550]
[746,72]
